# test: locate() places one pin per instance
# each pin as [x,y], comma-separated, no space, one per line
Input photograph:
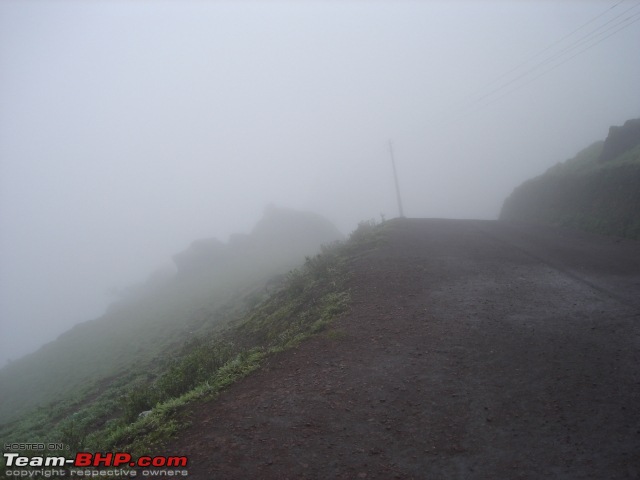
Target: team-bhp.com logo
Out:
[87,464]
[86,459]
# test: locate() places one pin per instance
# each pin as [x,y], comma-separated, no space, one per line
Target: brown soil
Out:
[473,350]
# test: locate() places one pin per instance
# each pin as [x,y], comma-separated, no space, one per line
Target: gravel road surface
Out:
[473,350]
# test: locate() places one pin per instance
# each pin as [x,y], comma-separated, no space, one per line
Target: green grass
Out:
[586,162]
[583,193]
[105,414]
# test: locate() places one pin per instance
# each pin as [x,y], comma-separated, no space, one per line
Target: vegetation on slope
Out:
[138,410]
[585,192]
[211,281]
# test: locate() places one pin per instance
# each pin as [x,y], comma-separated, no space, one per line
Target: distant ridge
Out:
[167,309]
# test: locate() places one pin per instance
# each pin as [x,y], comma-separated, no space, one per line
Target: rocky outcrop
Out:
[621,139]
[281,239]
[201,254]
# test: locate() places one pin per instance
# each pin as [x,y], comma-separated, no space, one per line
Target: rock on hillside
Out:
[281,239]
[620,140]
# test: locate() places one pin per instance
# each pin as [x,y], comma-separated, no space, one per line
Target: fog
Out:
[129,129]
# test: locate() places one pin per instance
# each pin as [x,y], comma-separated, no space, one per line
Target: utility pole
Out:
[395,179]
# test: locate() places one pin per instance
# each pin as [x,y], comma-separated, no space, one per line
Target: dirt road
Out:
[473,350]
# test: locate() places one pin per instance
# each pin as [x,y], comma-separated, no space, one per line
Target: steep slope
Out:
[598,190]
[212,284]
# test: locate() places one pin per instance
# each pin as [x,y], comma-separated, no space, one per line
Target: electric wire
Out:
[563,61]
[549,47]
[586,39]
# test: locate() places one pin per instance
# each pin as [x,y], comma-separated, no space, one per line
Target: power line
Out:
[549,47]
[490,102]
[594,33]
[585,39]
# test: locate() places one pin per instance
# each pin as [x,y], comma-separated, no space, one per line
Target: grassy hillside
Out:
[584,192]
[146,403]
[214,283]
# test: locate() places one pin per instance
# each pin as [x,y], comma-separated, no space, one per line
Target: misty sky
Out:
[129,129]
